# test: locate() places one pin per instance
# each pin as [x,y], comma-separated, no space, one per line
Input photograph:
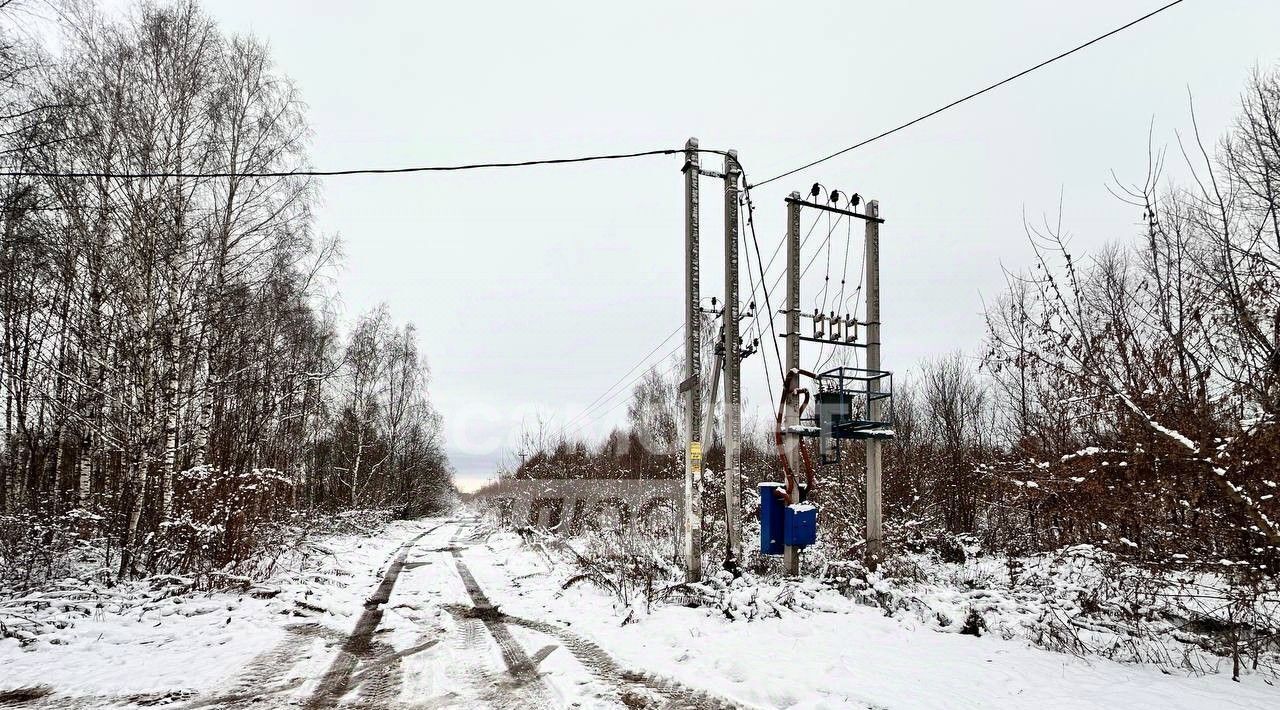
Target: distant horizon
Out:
[471,482]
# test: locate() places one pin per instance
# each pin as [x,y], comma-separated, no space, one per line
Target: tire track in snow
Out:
[262,676]
[603,666]
[634,689]
[524,686]
[338,679]
[259,679]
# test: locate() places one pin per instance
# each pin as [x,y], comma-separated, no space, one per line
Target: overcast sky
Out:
[534,290]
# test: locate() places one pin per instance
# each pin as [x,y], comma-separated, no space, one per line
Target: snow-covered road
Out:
[440,613]
[431,636]
[427,635]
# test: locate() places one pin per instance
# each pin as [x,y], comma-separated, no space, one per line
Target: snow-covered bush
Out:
[50,577]
[634,567]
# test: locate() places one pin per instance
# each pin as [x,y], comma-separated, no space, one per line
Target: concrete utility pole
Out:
[709,413]
[875,533]
[691,388]
[732,367]
[709,416]
[791,421]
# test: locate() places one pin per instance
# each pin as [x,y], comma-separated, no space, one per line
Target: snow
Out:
[140,653]
[1151,422]
[754,642]
[833,653]
[877,432]
[138,643]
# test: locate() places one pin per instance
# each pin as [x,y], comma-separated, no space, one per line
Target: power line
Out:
[764,359]
[818,251]
[354,171]
[844,272]
[609,391]
[751,223]
[770,289]
[593,158]
[841,303]
[826,278]
[619,402]
[975,94]
[562,161]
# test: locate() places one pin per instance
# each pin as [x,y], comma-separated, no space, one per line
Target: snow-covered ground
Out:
[141,646]
[447,613]
[839,654]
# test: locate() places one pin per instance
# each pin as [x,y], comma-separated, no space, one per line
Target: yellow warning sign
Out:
[695,455]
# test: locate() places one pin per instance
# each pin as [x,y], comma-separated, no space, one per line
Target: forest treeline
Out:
[174,379]
[1125,398]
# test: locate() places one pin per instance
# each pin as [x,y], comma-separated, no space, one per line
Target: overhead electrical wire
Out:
[857,295]
[53,174]
[803,272]
[747,186]
[844,271]
[625,390]
[768,304]
[607,392]
[768,290]
[751,225]
[825,280]
[841,303]
[587,158]
[973,95]
[613,400]
[826,243]
[751,279]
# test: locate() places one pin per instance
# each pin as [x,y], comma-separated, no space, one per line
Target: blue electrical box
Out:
[800,525]
[771,519]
